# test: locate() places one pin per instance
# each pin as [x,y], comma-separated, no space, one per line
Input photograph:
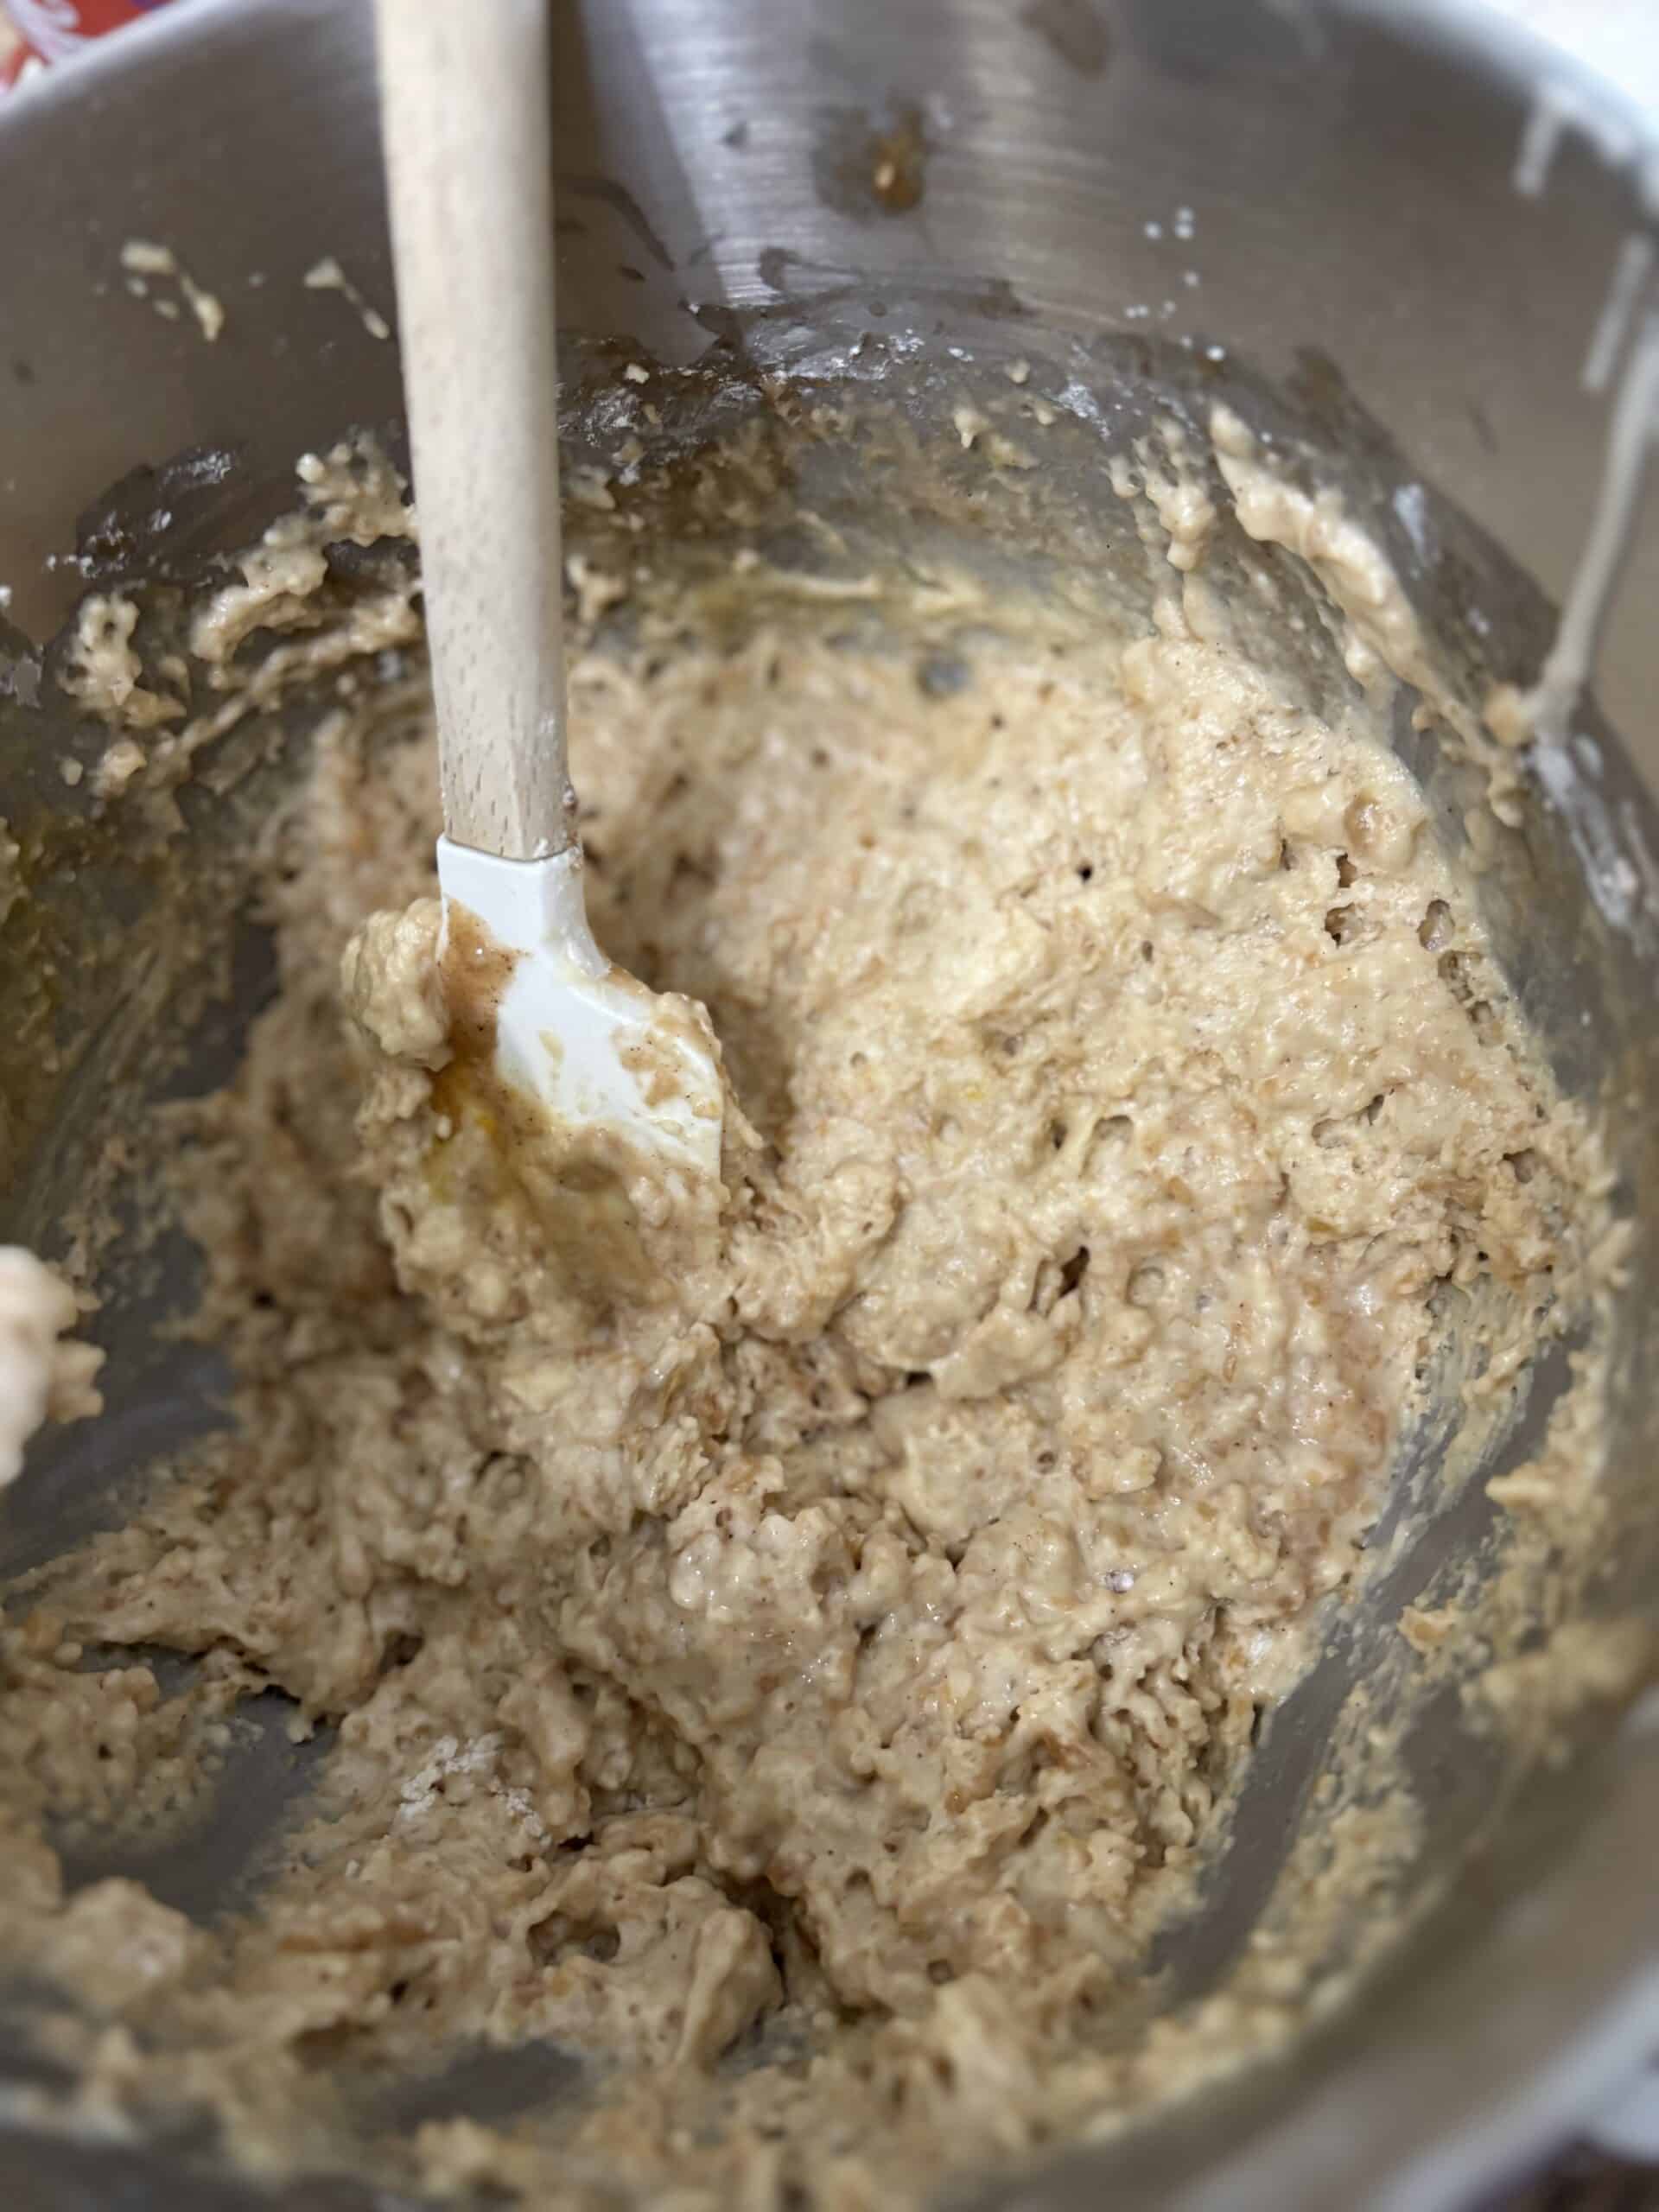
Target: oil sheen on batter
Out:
[828,1643]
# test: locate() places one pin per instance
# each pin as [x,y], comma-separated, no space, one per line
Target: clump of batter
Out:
[45,1375]
[832,1648]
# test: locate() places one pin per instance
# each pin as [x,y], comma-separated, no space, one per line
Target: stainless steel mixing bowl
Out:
[1339,180]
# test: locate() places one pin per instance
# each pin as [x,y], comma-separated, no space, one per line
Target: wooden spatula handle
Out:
[464,110]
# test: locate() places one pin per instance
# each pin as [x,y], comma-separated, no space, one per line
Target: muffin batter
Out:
[825,1646]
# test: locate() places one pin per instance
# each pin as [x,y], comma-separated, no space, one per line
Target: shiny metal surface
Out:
[1364,266]
[1348,170]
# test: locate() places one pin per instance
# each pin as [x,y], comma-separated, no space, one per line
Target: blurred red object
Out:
[54,30]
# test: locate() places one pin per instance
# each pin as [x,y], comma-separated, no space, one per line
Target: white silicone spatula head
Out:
[464,114]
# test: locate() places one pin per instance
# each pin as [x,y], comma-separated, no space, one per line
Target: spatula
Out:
[465,116]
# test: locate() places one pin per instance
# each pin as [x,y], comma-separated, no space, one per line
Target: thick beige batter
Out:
[846,1630]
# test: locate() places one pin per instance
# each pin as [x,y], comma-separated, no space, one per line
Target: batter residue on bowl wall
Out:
[831,1651]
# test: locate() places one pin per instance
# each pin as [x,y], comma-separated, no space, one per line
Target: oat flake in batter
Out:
[841,1631]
